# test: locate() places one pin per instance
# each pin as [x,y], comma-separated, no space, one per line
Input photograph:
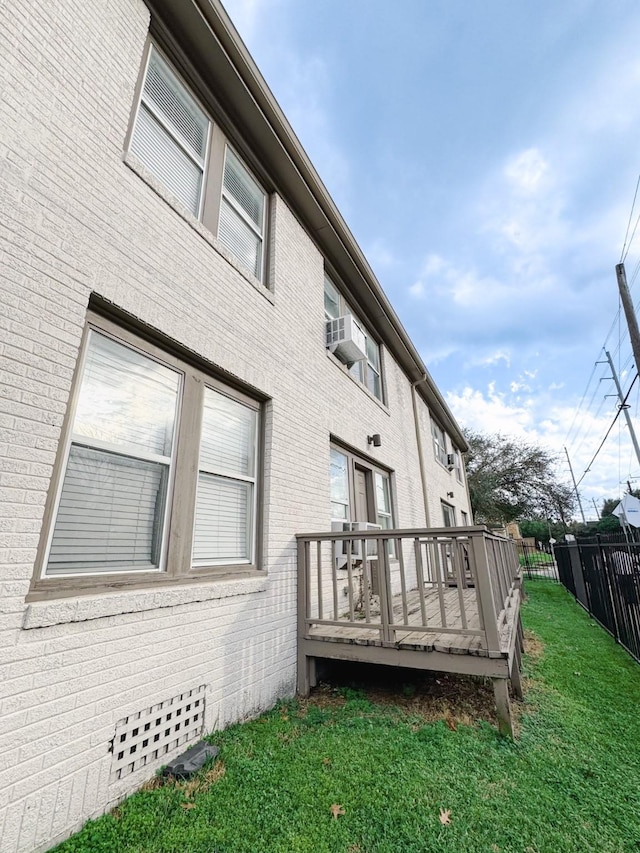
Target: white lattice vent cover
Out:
[148,735]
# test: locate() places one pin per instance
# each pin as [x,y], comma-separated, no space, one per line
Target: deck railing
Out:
[390,586]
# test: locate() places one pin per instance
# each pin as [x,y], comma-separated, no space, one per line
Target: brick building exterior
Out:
[95,236]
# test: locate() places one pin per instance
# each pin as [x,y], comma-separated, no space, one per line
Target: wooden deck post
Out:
[503,707]
[486,603]
[514,674]
[304,667]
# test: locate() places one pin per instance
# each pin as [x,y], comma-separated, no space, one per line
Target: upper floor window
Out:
[439,443]
[242,214]
[457,459]
[127,499]
[178,143]
[367,369]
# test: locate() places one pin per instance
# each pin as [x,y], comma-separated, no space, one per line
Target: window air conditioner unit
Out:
[365,525]
[345,339]
[451,461]
[356,550]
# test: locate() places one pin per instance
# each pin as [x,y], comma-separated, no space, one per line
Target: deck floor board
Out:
[427,636]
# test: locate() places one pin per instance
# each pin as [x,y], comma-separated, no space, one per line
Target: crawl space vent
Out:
[150,734]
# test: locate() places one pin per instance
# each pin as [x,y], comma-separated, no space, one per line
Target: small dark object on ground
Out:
[191,761]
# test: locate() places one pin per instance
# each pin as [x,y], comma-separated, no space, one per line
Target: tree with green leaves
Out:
[542,529]
[511,479]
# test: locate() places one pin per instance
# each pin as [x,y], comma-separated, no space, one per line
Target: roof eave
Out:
[203,29]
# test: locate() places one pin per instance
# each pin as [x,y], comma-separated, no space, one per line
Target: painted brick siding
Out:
[77,220]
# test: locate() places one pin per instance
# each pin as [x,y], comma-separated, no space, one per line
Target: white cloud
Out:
[526,172]
[538,419]
[496,358]
[490,412]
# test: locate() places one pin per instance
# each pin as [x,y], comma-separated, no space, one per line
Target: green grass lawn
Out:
[571,782]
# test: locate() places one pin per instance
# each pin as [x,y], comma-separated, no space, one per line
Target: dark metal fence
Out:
[536,561]
[603,573]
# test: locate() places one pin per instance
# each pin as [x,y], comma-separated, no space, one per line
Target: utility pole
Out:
[624,406]
[575,488]
[595,506]
[630,314]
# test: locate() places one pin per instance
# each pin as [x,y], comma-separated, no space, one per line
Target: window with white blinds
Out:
[139,487]
[224,518]
[113,502]
[242,214]
[176,141]
[171,132]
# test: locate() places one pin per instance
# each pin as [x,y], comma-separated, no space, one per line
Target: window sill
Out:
[145,175]
[83,608]
[344,369]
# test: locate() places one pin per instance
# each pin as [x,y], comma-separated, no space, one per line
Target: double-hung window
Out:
[224,518]
[173,137]
[159,470]
[366,370]
[112,507]
[458,465]
[242,214]
[439,443]
[171,134]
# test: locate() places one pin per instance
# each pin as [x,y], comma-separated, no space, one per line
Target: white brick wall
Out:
[76,220]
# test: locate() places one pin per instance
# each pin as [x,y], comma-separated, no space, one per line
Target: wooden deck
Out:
[451,641]
[458,609]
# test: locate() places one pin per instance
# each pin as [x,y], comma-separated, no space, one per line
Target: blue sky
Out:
[484,154]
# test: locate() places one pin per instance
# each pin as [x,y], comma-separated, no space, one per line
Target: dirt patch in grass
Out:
[202,782]
[533,645]
[155,782]
[430,696]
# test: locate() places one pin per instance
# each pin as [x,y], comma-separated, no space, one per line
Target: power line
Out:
[613,422]
[633,204]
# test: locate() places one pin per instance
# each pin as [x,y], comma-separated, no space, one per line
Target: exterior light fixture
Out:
[374,439]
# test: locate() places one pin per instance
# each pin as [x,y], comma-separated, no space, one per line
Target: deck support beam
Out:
[503,707]
[307,677]
[514,675]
